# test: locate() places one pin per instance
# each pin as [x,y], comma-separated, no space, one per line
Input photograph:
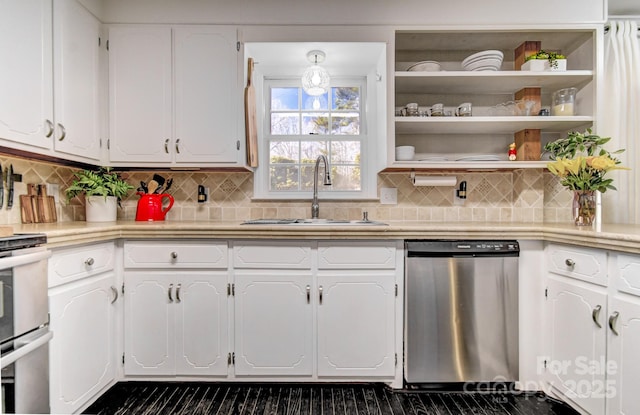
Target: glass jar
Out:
[563,102]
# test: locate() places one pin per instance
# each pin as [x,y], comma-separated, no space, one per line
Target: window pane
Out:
[284,152]
[306,178]
[315,123]
[346,98]
[345,124]
[310,150]
[345,152]
[345,178]
[285,123]
[315,103]
[283,178]
[284,99]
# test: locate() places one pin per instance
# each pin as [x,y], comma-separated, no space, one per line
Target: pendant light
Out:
[315,79]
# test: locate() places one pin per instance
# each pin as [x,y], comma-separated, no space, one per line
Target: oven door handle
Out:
[28,347]
[18,260]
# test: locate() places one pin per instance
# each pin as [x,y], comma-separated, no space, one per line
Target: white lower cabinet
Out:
[82,351]
[356,328]
[320,311]
[176,323]
[594,331]
[273,324]
[624,336]
[577,342]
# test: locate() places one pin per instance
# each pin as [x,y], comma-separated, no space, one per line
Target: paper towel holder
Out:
[433,180]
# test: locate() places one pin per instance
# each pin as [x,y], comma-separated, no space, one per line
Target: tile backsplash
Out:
[503,196]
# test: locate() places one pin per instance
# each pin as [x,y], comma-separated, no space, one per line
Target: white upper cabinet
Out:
[173,96]
[206,97]
[76,38]
[140,94]
[26,76]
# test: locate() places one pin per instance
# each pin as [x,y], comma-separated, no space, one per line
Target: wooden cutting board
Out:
[250,118]
[37,206]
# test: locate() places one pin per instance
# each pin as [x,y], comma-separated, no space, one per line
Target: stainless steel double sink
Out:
[312,222]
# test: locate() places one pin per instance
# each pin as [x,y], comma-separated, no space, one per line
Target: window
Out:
[298,128]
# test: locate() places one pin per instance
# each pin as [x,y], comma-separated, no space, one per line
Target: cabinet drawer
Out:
[286,255]
[627,271]
[175,254]
[581,263]
[357,255]
[71,264]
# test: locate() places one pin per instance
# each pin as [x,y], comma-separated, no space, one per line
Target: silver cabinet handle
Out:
[178,293]
[50,126]
[570,262]
[308,294]
[89,262]
[115,294]
[166,146]
[63,132]
[612,322]
[320,294]
[595,315]
[174,255]
[169,293]
[178,146]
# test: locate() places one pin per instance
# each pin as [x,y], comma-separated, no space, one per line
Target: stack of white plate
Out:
[427,66]
[488,60]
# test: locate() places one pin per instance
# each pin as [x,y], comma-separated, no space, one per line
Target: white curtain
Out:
[620,119]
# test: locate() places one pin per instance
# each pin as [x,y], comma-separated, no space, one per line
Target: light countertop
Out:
[624,238]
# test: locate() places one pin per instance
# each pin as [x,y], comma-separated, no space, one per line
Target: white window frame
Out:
[366,137]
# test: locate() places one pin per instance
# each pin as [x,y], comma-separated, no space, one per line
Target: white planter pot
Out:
[99,209]
[542,65]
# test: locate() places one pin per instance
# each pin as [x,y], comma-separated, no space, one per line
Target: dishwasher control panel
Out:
[457,247]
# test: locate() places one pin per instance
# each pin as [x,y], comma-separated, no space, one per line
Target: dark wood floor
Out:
[362,399]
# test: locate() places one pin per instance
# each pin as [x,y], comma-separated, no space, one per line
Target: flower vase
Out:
[584,207]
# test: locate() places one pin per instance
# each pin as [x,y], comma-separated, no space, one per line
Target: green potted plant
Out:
[582,163]
[102,189]
[545,61]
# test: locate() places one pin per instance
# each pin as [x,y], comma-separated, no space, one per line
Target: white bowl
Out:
[405,152]
[426,66]
[491,64]
[484,54]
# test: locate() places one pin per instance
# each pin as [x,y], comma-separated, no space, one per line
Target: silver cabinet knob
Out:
[174,255]
[569,262]
[89,262]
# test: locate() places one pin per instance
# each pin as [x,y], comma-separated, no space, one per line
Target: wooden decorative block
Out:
[527,48]
[528,145]
[530,94]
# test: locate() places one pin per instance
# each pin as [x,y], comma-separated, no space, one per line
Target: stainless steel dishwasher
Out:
[461,322]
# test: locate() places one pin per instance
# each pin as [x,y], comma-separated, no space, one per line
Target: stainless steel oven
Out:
[24,324]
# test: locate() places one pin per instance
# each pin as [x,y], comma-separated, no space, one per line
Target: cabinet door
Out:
[206,94]
[273,324]
[149,335]
[356,329]
[202,342]
[82,351]
[577,338]
[624,375]
[76,70]
[26,76]
[140,94]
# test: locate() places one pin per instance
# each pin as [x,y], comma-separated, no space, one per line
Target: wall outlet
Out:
[388,196]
